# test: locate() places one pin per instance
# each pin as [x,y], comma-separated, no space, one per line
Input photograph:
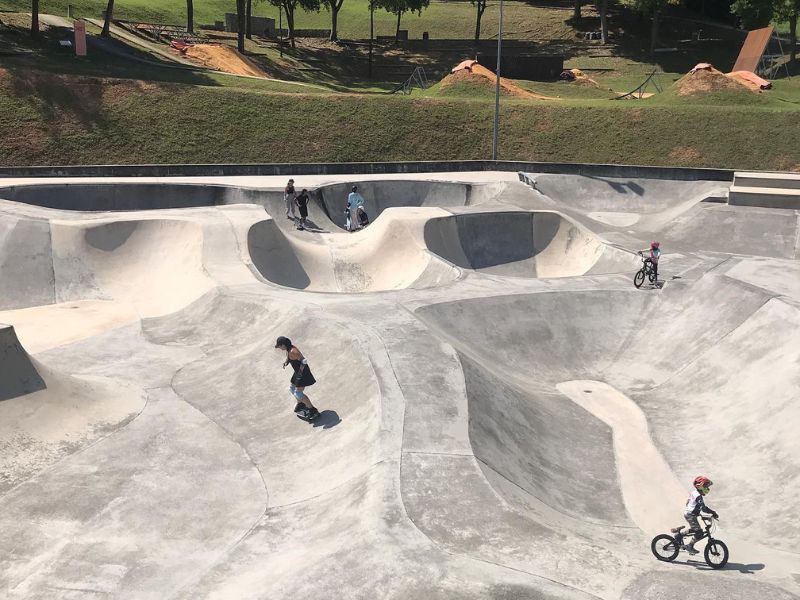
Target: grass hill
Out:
[55,109]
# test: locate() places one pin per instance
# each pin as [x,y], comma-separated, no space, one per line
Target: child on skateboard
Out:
[301,379]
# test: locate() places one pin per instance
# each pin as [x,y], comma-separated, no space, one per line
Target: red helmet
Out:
[702,481]
[654,244]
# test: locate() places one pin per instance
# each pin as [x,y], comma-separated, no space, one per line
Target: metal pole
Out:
[497,85]
[280,29]
[371,32]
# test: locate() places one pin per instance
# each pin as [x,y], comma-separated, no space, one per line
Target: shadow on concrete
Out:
[327,419]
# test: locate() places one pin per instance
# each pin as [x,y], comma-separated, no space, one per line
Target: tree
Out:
[35,19]
[190,16]
[480,8]
[789,10]
[754,13]
[240,25]
[290,6]
[248,32]
[107,21]
[333,6]
[653,9]
[602,8]
[399,7]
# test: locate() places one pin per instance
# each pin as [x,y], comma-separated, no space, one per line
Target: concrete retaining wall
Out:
[372,168]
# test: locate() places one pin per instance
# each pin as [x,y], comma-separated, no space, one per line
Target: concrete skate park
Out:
[503,414]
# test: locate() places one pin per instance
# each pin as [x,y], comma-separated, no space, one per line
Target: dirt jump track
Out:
[503,414]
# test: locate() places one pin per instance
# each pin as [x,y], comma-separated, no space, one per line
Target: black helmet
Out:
[355,188]
[283,341]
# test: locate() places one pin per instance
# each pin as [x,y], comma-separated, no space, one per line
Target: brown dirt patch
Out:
[224,58]
[484,77]
[685,155]
[704,81]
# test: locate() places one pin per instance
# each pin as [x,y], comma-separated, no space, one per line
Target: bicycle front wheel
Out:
[664,547]
[638,279]
[716,554]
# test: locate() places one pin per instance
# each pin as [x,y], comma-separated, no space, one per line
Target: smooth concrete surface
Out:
[768,197]
[502,414]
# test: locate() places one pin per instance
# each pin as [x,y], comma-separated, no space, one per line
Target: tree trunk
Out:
[248,18]
[335,6]
[654,32]
[240,22]
[604,21]
[793,36]
[190,16]
[35,19]
[290,21]
[577,12]
[397,31]
[481,6]
[107,22]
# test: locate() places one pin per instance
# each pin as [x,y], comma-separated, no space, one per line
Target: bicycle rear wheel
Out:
[664,547]
[716,554]
[638,279]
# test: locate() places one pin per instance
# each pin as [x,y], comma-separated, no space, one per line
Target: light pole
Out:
[497,85]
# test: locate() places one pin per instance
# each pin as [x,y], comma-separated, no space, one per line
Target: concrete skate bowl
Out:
[389,255]
[556,382]
[622,202]
[132,196]
[383,194]
[154,264]
[522,244]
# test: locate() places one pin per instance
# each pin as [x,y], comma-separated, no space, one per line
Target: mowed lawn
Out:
[443,20]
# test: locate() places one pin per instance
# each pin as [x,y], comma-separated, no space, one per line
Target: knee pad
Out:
[297,393]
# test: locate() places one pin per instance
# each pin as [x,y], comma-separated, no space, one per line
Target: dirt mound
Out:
[223,58]
[583,78]
[706,80]
[470,72]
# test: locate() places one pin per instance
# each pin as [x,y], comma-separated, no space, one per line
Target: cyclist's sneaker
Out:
[690,550]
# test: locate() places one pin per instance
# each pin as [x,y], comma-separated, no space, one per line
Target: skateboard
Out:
[303,415]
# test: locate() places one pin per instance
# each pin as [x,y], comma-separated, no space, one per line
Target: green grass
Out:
[60,120]
[444,20]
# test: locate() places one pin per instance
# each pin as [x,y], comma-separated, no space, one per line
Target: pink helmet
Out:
[702,481]
[654,244]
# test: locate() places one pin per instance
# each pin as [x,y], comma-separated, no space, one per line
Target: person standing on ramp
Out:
[301,379]
[302,205]
[289,196]
[354,201]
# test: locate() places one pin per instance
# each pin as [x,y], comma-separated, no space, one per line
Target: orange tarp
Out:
[751,79]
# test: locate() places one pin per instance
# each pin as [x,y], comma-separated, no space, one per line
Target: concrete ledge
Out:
[764,197]
[785,181]
[376,168]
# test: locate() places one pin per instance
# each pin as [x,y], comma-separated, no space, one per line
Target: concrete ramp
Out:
[155,264]
[18,375]
[521,244]
[46,415]
[382,194]
[390,254]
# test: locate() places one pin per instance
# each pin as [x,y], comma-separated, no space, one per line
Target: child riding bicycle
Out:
[655,254]
[694,506]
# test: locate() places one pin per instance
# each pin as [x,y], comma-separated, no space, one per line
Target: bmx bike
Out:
[666,546]
[647,271]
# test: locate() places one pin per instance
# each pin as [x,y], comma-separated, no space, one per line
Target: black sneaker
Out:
[299,408]
[313,413]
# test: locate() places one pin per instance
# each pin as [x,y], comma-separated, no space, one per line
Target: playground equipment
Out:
[640,90]
[417,78]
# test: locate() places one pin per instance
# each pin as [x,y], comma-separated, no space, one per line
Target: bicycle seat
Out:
[677,529]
